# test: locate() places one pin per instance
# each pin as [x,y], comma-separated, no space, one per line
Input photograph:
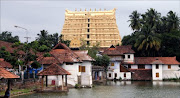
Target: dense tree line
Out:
[43,43]
[153,34]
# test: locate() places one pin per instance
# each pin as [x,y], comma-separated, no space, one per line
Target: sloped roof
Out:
[83,54]
[64,53]
[6,74]
[156,60]
[48,60]
[54,69]
[118,50]
[9,47]
[5,64]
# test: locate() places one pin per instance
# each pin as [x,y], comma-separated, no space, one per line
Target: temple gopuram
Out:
[91,28]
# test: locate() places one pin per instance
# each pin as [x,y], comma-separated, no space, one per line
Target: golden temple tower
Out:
[91,27]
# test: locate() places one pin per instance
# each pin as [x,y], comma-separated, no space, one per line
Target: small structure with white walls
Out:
[78,63]
[118,55]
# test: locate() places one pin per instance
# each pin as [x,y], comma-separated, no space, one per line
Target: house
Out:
[118,55]
[154,68]
[78,63]
[124,65]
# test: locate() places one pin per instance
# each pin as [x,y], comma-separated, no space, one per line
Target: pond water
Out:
[123,89]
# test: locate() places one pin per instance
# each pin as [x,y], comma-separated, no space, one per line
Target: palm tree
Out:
[135,20]
[172,21]
[148,41]
[151,17]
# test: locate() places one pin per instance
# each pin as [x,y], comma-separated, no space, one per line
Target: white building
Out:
[78,63]
[118,55]
[154,68]
[124,65]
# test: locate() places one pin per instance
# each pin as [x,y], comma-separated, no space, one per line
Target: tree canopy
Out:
[153,34]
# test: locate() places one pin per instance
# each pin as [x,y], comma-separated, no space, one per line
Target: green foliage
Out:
[44,48]
[35,65]
[7,36]
[154,35]
[103,60]
[47,55]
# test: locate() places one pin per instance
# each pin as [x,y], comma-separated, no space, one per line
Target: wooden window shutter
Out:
[112,64]
[83,69]
[157,74]
[169,66]
[80,68]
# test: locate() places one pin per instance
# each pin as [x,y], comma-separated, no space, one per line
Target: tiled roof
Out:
[5,64]
[54,69]
[118,50]
[83,54]
[48,60]
[156,60]
[9,47]
[6,74]
[64,53]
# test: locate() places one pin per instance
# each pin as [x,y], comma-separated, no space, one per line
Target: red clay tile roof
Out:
[48,60]
[83,54]
[9,47]
[5,64]
[64,53]
[54,69]
[6,74]
[156,60]
[119,50]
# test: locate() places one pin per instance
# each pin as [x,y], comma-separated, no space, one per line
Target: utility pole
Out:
[26,37]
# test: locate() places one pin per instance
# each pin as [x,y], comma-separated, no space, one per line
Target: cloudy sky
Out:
[49,15]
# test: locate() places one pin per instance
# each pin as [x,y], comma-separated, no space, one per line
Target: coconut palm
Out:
[135,20]
[148,41]
[172,21]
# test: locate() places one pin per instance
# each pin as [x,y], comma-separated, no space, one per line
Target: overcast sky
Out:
[49,15]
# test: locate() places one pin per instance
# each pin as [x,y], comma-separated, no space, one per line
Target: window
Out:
[124,75]
[69,63]
[157,66]
[115,75]
[157,74]
[88,25]
[88,36]
[123,56]
[88,30]
[112,64]
[88,43]
[128,56]
[82,69]
[79,68]
[88,20]
[141,66]
[169,66]
[109,74]
[129,66]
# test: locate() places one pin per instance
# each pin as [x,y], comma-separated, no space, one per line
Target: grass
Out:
[17,91]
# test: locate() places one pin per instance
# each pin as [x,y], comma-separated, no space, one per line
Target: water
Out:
[124,89]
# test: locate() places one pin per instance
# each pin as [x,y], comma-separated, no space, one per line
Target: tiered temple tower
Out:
[91,27]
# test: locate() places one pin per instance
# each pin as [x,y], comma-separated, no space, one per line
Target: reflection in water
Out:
[123,89]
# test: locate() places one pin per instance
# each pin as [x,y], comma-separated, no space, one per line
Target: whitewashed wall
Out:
[86,77]
[128,75]
[171,73]
[154,71]
[131,59]
[134,66]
